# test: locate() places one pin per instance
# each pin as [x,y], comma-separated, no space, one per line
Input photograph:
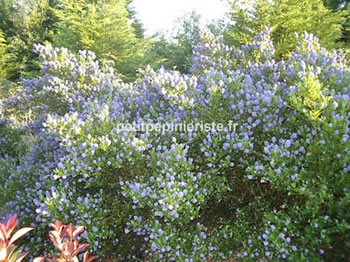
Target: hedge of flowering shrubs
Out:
[277,186]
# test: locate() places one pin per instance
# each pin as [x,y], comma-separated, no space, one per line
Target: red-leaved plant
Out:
[8,251]
[64,238]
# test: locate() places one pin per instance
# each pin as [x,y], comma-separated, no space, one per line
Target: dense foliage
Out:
[276,186]
[285,17]
[113,31]
[25,23]
[106,27]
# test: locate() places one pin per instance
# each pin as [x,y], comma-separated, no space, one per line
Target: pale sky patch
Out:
[157,15]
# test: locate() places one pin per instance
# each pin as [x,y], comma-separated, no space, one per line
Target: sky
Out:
[159,15]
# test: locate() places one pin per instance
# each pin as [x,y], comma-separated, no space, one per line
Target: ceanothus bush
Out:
[274,187]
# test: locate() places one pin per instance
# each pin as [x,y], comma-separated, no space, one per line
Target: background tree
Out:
[109,28]
[246,19]
[344,7]
[284,17]
[135,21]
[336,4]
[25,23]
[3,47]
[3,68]
[345,39]
[185,38]
[103,27]
[175,52]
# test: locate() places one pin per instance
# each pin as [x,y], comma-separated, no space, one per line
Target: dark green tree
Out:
[344,7]
[336,4]
[135,21]
[25,23]
[345,39]
[3,48]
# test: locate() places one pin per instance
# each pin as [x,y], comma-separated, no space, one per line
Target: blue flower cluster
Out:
[276,187]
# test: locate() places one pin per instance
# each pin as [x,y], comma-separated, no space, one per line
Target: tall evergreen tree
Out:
[135,21]
[5,85]
[344,7]
[284,17]
[345,39]
[247,18]
[103,27]
[3,47]
[25,23]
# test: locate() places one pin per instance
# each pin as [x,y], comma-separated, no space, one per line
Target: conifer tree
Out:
[135,21]
[3,48]
[284,17]
[5,85]
[103,27]
[344,7]
[336,4]
[247,19]
[25,23]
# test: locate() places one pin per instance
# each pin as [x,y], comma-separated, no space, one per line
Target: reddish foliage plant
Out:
[64,238]
[8,252]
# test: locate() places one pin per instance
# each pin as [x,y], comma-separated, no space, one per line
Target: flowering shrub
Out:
[276,187]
